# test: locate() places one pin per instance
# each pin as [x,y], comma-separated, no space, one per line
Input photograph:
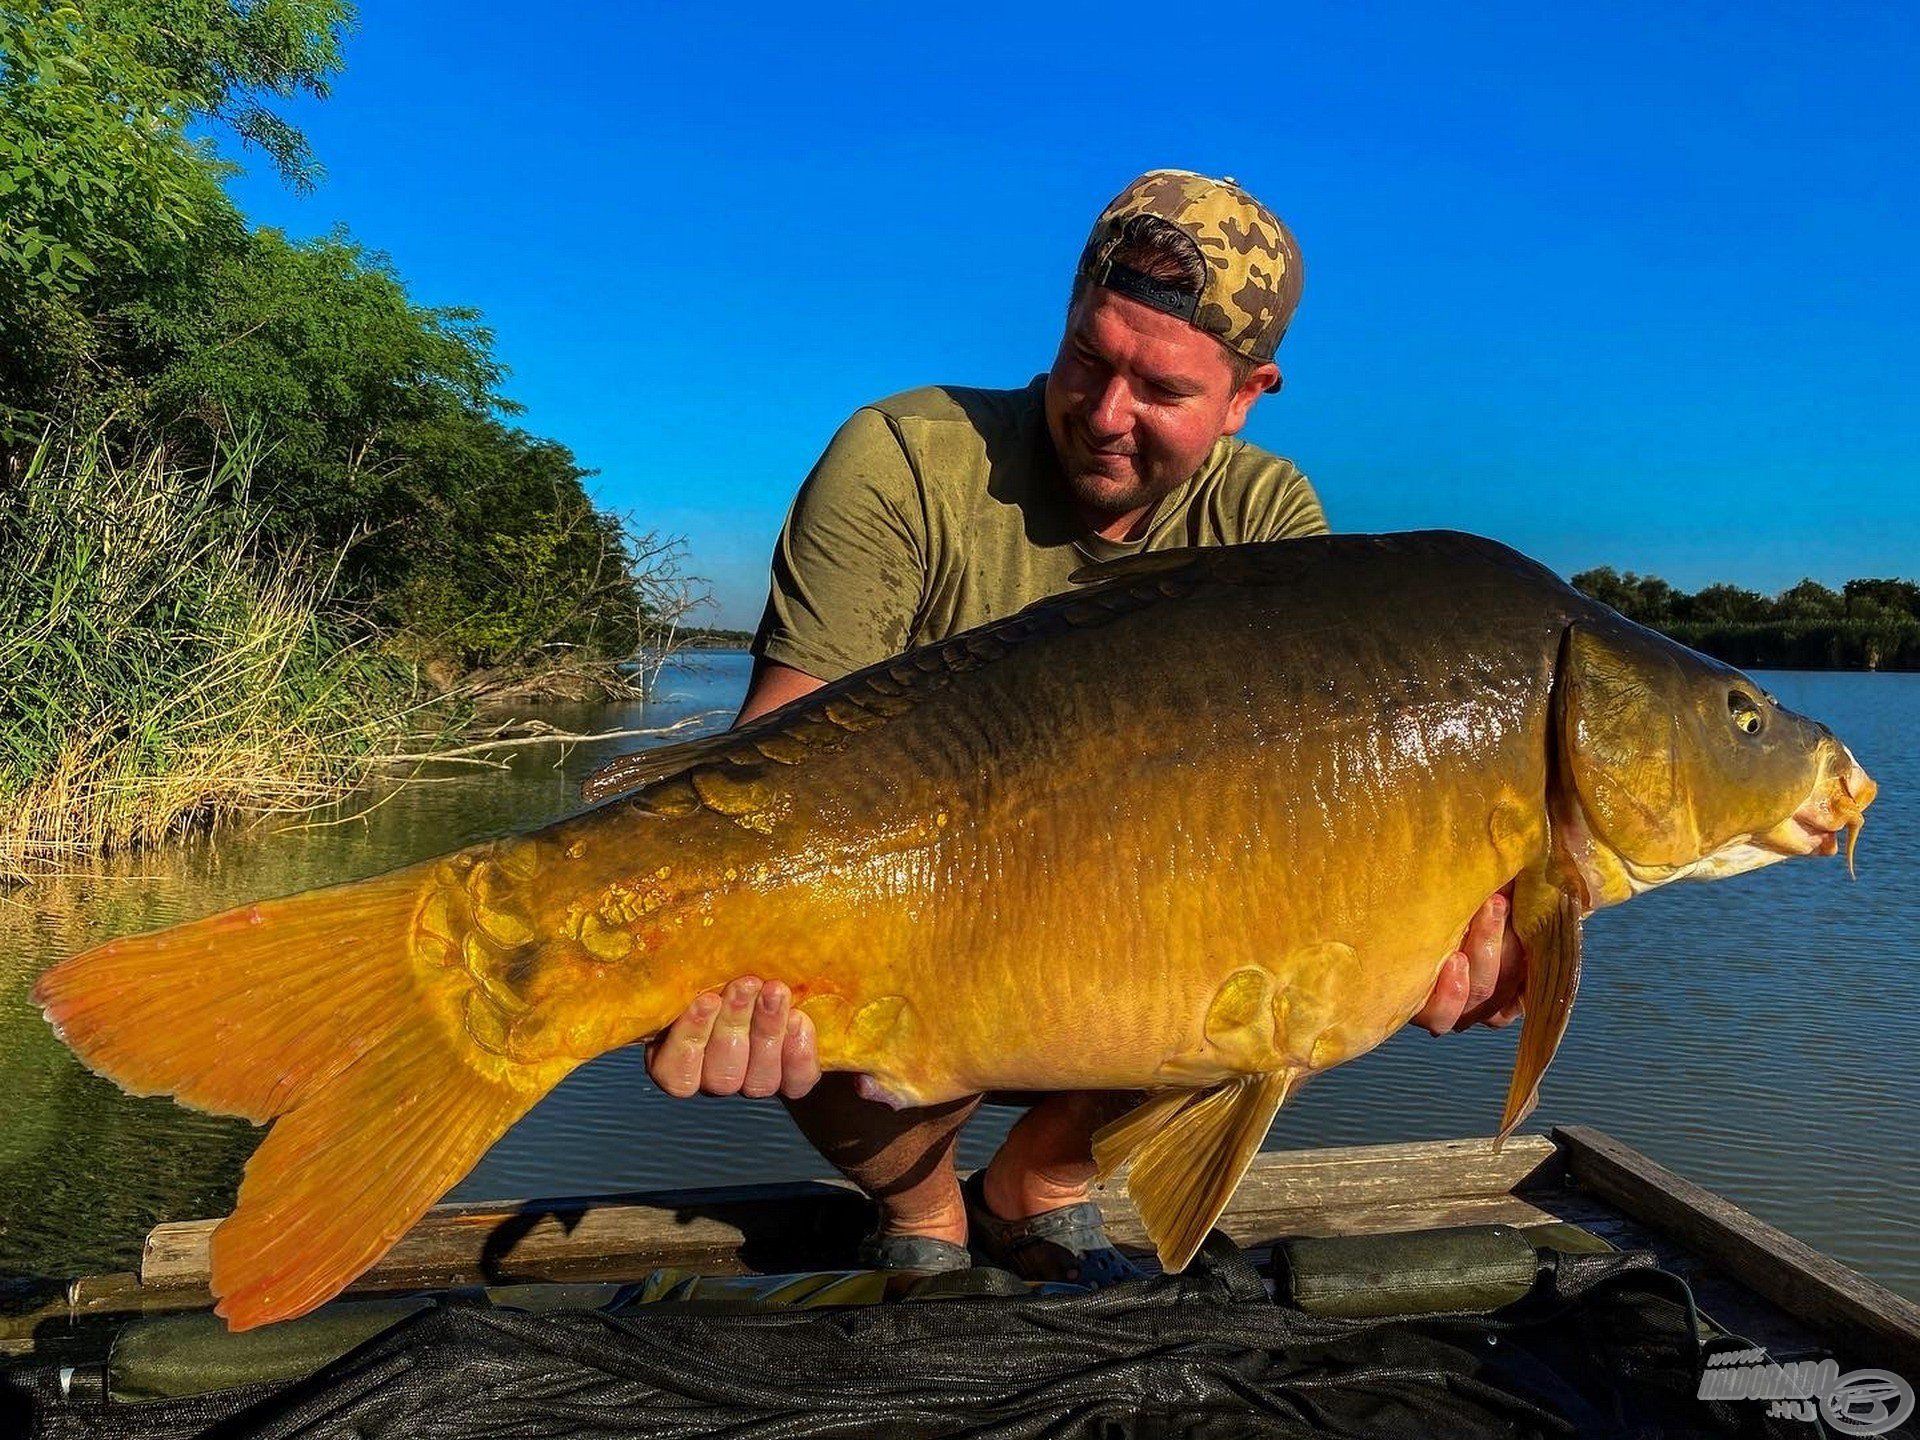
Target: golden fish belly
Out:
[1202,966]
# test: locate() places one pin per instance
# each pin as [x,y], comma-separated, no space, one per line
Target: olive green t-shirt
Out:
[944,508]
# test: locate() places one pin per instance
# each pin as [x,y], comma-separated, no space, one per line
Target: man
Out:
[944,508]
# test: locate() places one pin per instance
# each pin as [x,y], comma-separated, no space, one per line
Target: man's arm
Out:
[772,686]
[850,567]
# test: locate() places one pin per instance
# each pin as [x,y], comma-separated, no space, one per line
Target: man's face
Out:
[1136,399]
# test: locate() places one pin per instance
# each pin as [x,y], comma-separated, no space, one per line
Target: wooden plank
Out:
[1388,1174]
[794,1227]
[1259,1229]
[714,1250]
[1827,1295]
[771,1227]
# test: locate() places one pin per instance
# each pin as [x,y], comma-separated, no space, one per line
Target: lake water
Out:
[1760,1035]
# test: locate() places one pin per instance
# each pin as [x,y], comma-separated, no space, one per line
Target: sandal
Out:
[1068,1244]
[913,1252]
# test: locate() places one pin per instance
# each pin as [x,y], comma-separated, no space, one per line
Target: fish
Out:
[1204,826]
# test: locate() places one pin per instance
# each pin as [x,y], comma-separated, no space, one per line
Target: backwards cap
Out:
[1253,267]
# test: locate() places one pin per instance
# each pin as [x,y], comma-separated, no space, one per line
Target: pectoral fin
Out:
[1549,926]
[1188,1151]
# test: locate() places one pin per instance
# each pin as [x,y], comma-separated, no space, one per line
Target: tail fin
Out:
[317,1010]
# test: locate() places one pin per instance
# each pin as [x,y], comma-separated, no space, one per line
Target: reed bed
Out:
[161,668]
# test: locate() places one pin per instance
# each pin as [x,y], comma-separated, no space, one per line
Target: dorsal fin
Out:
[820,718]
[643,767]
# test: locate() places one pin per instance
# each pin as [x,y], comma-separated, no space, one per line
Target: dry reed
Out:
[161,667]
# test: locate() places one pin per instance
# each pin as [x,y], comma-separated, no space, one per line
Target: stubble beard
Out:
[1101,494]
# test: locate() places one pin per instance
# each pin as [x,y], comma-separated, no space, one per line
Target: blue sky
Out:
[1633,285]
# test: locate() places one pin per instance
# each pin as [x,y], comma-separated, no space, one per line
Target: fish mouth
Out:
[1838,802]
[1803,834]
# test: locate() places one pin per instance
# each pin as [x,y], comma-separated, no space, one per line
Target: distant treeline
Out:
[709,637]
[1864,625]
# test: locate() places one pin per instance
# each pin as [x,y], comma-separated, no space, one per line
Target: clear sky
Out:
[1634,285]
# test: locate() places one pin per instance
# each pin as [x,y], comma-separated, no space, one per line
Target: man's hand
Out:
[1481,983]
[745,1040]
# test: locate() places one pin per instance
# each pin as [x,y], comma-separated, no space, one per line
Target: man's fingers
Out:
[1483,982]
[766,1036]
[1500,1019]
[744,1040]
[674,1060]
[1509,996]
[799,1057]
[726,1062]
[1482,945]
[1447,999]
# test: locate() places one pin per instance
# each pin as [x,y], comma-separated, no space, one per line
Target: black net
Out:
[1605,1345]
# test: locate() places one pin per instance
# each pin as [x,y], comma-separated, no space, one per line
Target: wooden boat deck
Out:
[1750,1277]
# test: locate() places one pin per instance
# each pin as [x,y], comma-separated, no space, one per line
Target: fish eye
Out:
[1745,711]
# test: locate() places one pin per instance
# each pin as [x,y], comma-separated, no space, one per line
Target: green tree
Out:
[476,540]
[1898,596]
[97,168]
[104,193]
[134,298]
[319,344]
[1809,600]
[1723,605]
[1645,598]
[516,562]
[1869,624]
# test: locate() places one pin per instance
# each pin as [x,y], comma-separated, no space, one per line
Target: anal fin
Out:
[1189,1150]
[1117,1142]
[1548,920]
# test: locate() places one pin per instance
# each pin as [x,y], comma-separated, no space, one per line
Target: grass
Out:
[160,668]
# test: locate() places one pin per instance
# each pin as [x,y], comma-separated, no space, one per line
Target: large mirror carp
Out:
[1204,826]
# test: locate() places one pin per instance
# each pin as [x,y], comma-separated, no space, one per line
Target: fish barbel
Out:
[1203,827]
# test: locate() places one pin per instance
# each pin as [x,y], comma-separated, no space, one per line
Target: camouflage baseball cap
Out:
[1253,262]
